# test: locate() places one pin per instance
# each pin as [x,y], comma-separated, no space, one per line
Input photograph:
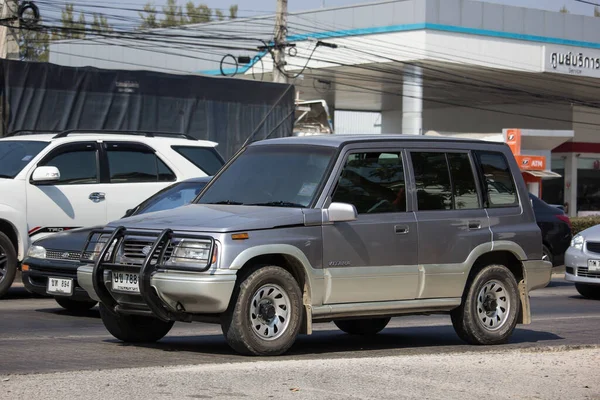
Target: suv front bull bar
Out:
[147,270]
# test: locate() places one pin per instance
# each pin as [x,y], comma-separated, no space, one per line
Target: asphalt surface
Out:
[37,336]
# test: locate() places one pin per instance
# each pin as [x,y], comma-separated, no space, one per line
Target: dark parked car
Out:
[556,230]
[50,267]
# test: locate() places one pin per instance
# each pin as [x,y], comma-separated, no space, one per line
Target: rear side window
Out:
[498,180]
[432,180]
[128,164]
[205,158]
[444,181]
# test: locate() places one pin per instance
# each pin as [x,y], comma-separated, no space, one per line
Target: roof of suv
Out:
[340,140]
[93,135]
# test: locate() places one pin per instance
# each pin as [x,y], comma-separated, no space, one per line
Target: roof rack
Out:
[23,132]
[123,132]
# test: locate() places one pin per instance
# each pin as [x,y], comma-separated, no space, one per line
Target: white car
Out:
[54,182]
[582,262]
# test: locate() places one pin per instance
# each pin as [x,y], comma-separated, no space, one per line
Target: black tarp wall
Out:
[49,97]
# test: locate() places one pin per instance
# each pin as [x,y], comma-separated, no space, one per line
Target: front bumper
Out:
[35,279]
[576,267]
[195,293]
[537,273]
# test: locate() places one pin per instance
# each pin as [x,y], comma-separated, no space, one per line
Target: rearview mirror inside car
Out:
[45,175]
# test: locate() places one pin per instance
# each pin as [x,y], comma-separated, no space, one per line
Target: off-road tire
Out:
[588,291]
[465,318]
[73,305]
[134,328]
[8,250]
[364,327]
[236,322]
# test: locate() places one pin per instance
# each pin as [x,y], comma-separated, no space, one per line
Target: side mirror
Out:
[341,212]
[128,213]
[45,175]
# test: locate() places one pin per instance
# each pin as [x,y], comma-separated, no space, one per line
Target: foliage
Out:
[596,12]
[34,44]
[176,15]
[581,223]
[564,10]
[233,11]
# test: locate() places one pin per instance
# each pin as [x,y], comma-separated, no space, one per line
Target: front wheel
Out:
[134,328]
[490,307]
[265,312]
[370,326]
[8,264]
[75,306]
[588,291]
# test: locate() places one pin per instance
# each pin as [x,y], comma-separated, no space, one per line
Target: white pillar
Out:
[412,100]
[571,183]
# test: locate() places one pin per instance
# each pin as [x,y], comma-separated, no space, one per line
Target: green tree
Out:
[219,14]
[100,24]
[70,29]
[148,17]
[199,14]
[564,10]
[173,15]
[233,11]
[34,43]
[596,12]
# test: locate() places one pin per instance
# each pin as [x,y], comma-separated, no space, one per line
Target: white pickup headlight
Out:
[36,252]
[577,242]
[190,252]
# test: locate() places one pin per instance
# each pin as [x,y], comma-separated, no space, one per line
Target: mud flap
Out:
[525,314]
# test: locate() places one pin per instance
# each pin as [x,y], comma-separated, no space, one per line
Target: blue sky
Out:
[261,7]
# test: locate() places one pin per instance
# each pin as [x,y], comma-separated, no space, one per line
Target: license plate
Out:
[594,265]
[60,286]
[126,282]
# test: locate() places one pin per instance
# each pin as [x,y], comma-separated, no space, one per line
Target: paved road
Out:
[37,336]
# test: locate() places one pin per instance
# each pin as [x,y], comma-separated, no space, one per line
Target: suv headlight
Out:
[577,242]
[190,252]
[36,252]
[100,243]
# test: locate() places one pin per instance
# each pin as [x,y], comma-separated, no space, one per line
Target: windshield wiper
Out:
[230,202]
[279,204]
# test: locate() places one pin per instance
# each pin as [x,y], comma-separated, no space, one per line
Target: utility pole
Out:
[280,38]
[9,44]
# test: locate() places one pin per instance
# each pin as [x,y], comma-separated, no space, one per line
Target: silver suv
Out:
[349,229]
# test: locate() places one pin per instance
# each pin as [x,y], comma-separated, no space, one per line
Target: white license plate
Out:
[594,265]
[126,282]
[60,286]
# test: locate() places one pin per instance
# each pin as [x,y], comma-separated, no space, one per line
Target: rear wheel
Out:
[8,264]
[265,312]
[134,328]
[76,306]
[370,326]
[588,291]
[490,307]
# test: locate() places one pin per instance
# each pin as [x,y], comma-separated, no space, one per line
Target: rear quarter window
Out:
[498,180]
[205,158]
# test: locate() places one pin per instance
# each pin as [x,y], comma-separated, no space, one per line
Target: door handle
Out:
[97,196]
[401,229]
[474,225]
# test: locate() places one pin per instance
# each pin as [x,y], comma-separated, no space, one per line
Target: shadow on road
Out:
[434,338]
[19,293]
[93,313]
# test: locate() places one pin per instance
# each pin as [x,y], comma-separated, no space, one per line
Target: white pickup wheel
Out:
[8,264]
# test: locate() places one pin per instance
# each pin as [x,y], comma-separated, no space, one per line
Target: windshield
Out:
[174,196]
[271,175]
[16,154]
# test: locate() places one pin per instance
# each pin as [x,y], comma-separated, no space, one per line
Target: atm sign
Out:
[535,163]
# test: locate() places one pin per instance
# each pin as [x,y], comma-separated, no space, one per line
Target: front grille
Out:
[133,252]
[583,272]
[593,247]
[66,255]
